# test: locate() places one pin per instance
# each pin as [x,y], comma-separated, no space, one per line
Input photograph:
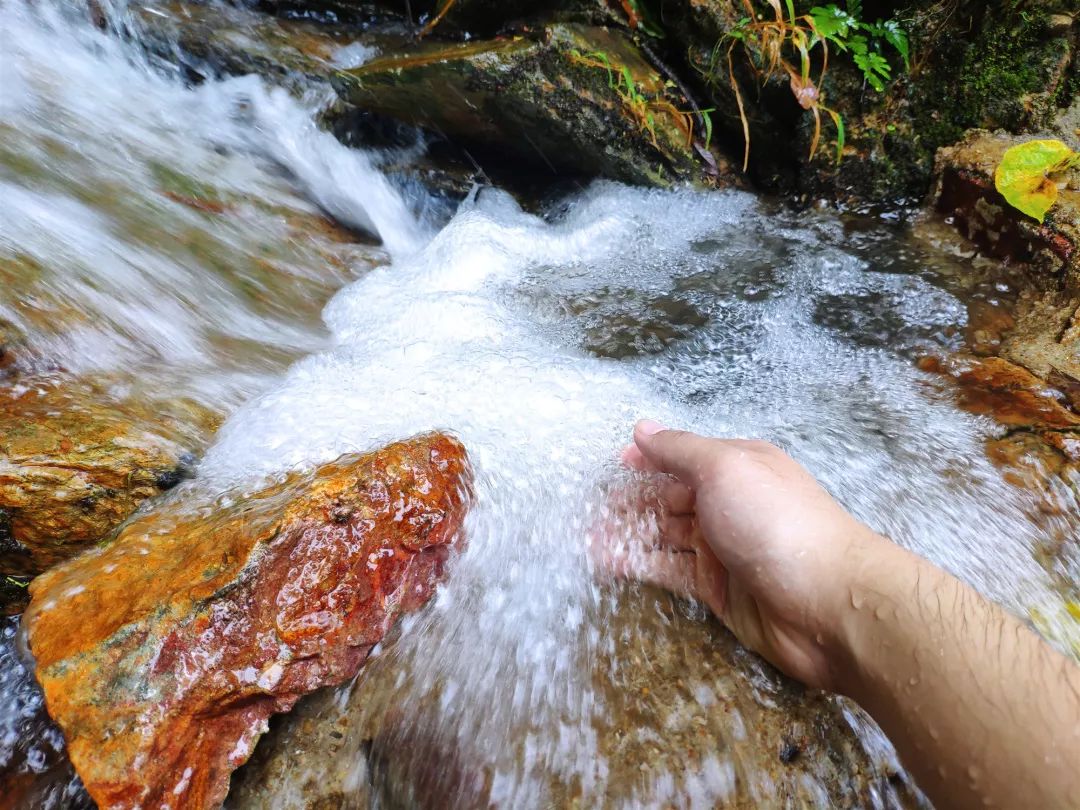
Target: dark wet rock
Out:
[472,18]
[163,653]
[681,709]
[697,33]
[72,468]
[14,590]
[556,98]
[11,342]
[213,40]
[965,194]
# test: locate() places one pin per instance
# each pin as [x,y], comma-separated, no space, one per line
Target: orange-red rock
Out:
[1008,392]
[73,467]
[163,654]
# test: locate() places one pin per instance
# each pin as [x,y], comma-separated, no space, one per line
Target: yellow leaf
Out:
[1023,177]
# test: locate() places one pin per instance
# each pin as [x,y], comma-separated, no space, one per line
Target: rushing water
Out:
[150,229]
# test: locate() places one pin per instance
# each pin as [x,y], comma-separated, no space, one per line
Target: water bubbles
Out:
[454,336]
[538,340]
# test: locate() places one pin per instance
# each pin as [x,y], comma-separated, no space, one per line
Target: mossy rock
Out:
[990,65]
[483,18]
[577,99]
[214,40]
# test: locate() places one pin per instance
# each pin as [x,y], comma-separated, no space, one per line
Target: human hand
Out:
[747,531]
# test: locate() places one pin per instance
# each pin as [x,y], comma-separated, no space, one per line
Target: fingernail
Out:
[648,427]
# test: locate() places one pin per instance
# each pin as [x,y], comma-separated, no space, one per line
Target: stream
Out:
[210,243]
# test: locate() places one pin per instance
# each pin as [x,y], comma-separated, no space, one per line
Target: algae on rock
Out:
[576,99]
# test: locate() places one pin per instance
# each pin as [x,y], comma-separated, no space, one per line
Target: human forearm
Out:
[978,706]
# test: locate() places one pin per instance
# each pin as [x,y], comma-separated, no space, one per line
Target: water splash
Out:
[538,340]
[453,338]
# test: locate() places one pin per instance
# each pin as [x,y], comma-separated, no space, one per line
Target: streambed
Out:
[174,242]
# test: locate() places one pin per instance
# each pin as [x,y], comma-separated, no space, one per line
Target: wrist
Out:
[873,601]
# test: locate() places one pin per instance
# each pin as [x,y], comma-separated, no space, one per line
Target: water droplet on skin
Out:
[820,639]
[857,600]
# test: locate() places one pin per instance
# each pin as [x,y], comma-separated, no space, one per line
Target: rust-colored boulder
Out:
[1008,392]
[163,653]
[73,468]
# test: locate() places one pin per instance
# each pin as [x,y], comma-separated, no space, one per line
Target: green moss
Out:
[988,66]
[988,80]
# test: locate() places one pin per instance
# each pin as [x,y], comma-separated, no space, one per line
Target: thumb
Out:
[677,452]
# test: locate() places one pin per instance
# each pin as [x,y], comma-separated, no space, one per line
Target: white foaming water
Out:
[484,329]
[452,338]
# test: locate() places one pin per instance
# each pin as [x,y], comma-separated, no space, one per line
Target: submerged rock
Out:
[72,469]
[680,716]
[571,98]
[163,653]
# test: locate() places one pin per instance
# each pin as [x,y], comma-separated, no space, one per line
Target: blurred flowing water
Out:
[174,238]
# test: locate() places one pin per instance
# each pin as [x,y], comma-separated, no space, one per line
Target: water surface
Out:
[178,237]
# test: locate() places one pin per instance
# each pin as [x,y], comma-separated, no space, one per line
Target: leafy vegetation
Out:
[642,107]
[796,46]
[1028,172]
[865,41]
[639,18]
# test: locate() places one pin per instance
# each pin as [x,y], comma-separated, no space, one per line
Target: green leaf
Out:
[707,118]
[791,10]
[876,69]
[897,37]
[629,79]
[832,24]
[1023,177]
[841,137]
[858,44]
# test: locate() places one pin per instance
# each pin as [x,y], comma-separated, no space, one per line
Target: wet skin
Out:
[983,712]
